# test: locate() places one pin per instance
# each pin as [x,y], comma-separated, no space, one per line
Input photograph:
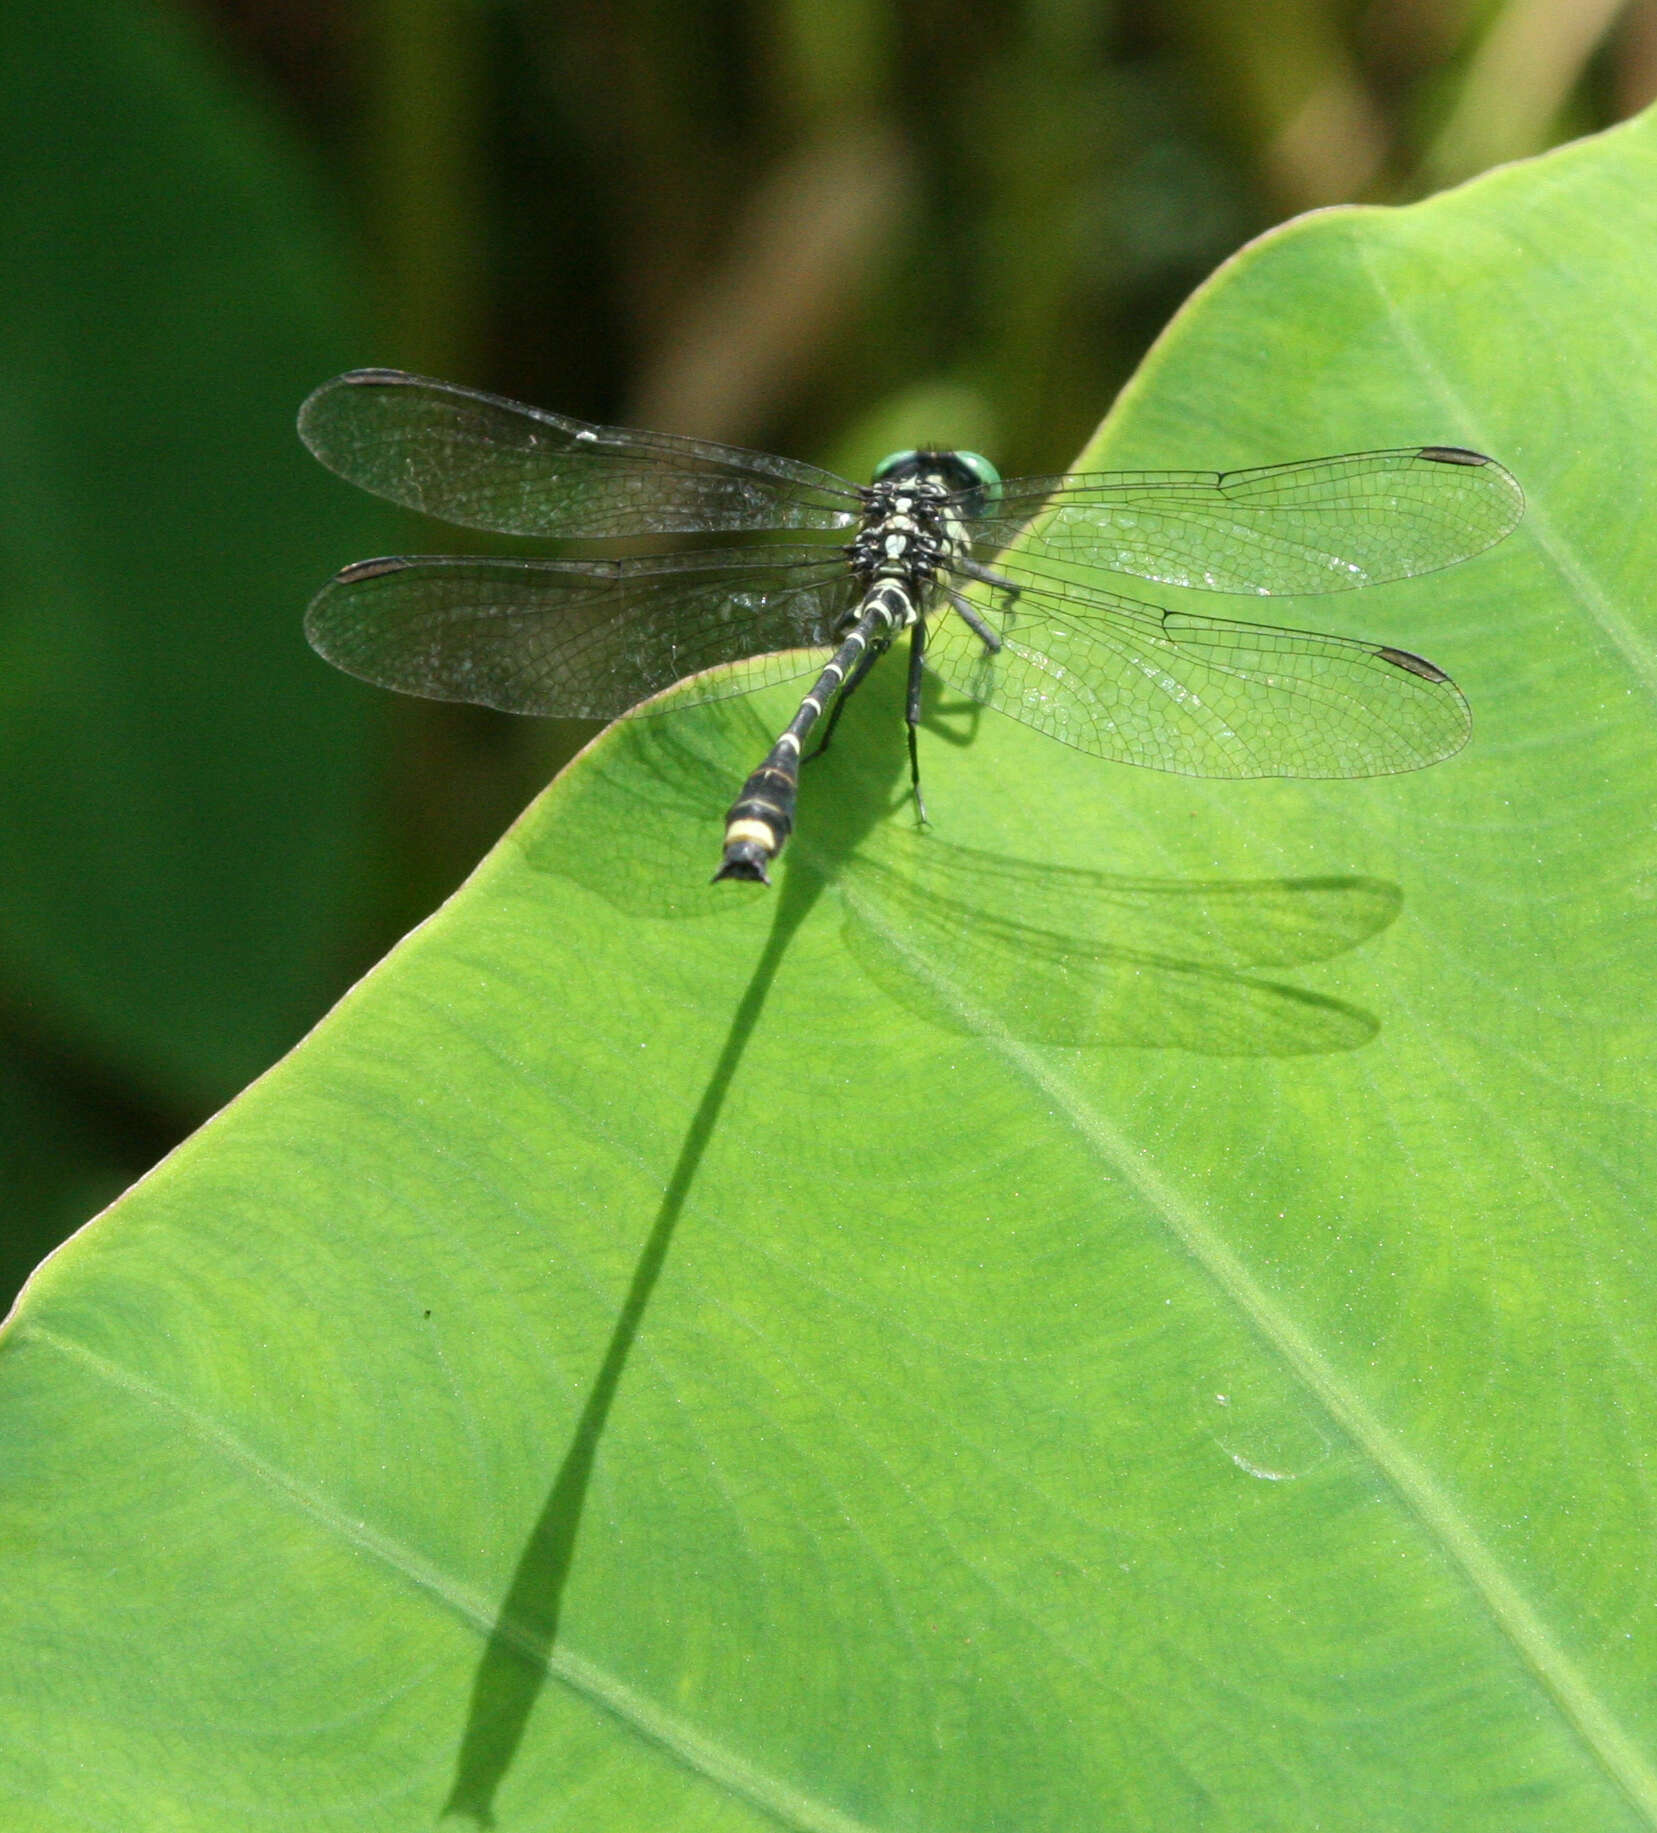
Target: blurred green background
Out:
[823,229]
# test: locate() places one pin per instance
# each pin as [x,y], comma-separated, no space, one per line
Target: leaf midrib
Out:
[788,1806]
[1589,1717]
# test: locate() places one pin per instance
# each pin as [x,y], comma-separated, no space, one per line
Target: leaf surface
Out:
[1130,1309]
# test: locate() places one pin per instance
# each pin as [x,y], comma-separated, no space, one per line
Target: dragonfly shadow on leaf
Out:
[954,720]
[981,943]
[650,857]
[968,939]
[965,938]
[640,825]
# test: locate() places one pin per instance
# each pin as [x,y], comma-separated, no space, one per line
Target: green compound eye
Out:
[983,472]
[899,461]
[972,468]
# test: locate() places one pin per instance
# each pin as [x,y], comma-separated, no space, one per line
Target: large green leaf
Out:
[1130,1309]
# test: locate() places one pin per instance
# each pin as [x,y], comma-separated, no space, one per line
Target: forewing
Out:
[1324,525]
[485,462]
[1201,696]
[580,639]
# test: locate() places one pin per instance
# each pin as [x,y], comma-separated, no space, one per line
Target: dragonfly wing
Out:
[485,462]
[1201,696]
[1324,525]
[581,639]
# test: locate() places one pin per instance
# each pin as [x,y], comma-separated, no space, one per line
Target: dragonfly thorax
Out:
[910,531]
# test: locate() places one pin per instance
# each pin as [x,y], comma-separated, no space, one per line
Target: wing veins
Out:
[579,638]
[482,461]
[1316,525]
[1199,695]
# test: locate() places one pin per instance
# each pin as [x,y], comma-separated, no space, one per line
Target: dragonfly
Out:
[996,581]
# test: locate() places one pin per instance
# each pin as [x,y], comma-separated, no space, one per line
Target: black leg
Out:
[989,638]
[975,569]
[870,656]
[917,649]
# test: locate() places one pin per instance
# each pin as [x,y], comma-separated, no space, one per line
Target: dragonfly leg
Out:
[870,656]
[985,575]
[989,638]
[912,712]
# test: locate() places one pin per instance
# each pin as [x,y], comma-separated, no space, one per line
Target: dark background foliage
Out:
[827,229]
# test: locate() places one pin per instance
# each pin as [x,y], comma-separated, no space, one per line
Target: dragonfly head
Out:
[954,470]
